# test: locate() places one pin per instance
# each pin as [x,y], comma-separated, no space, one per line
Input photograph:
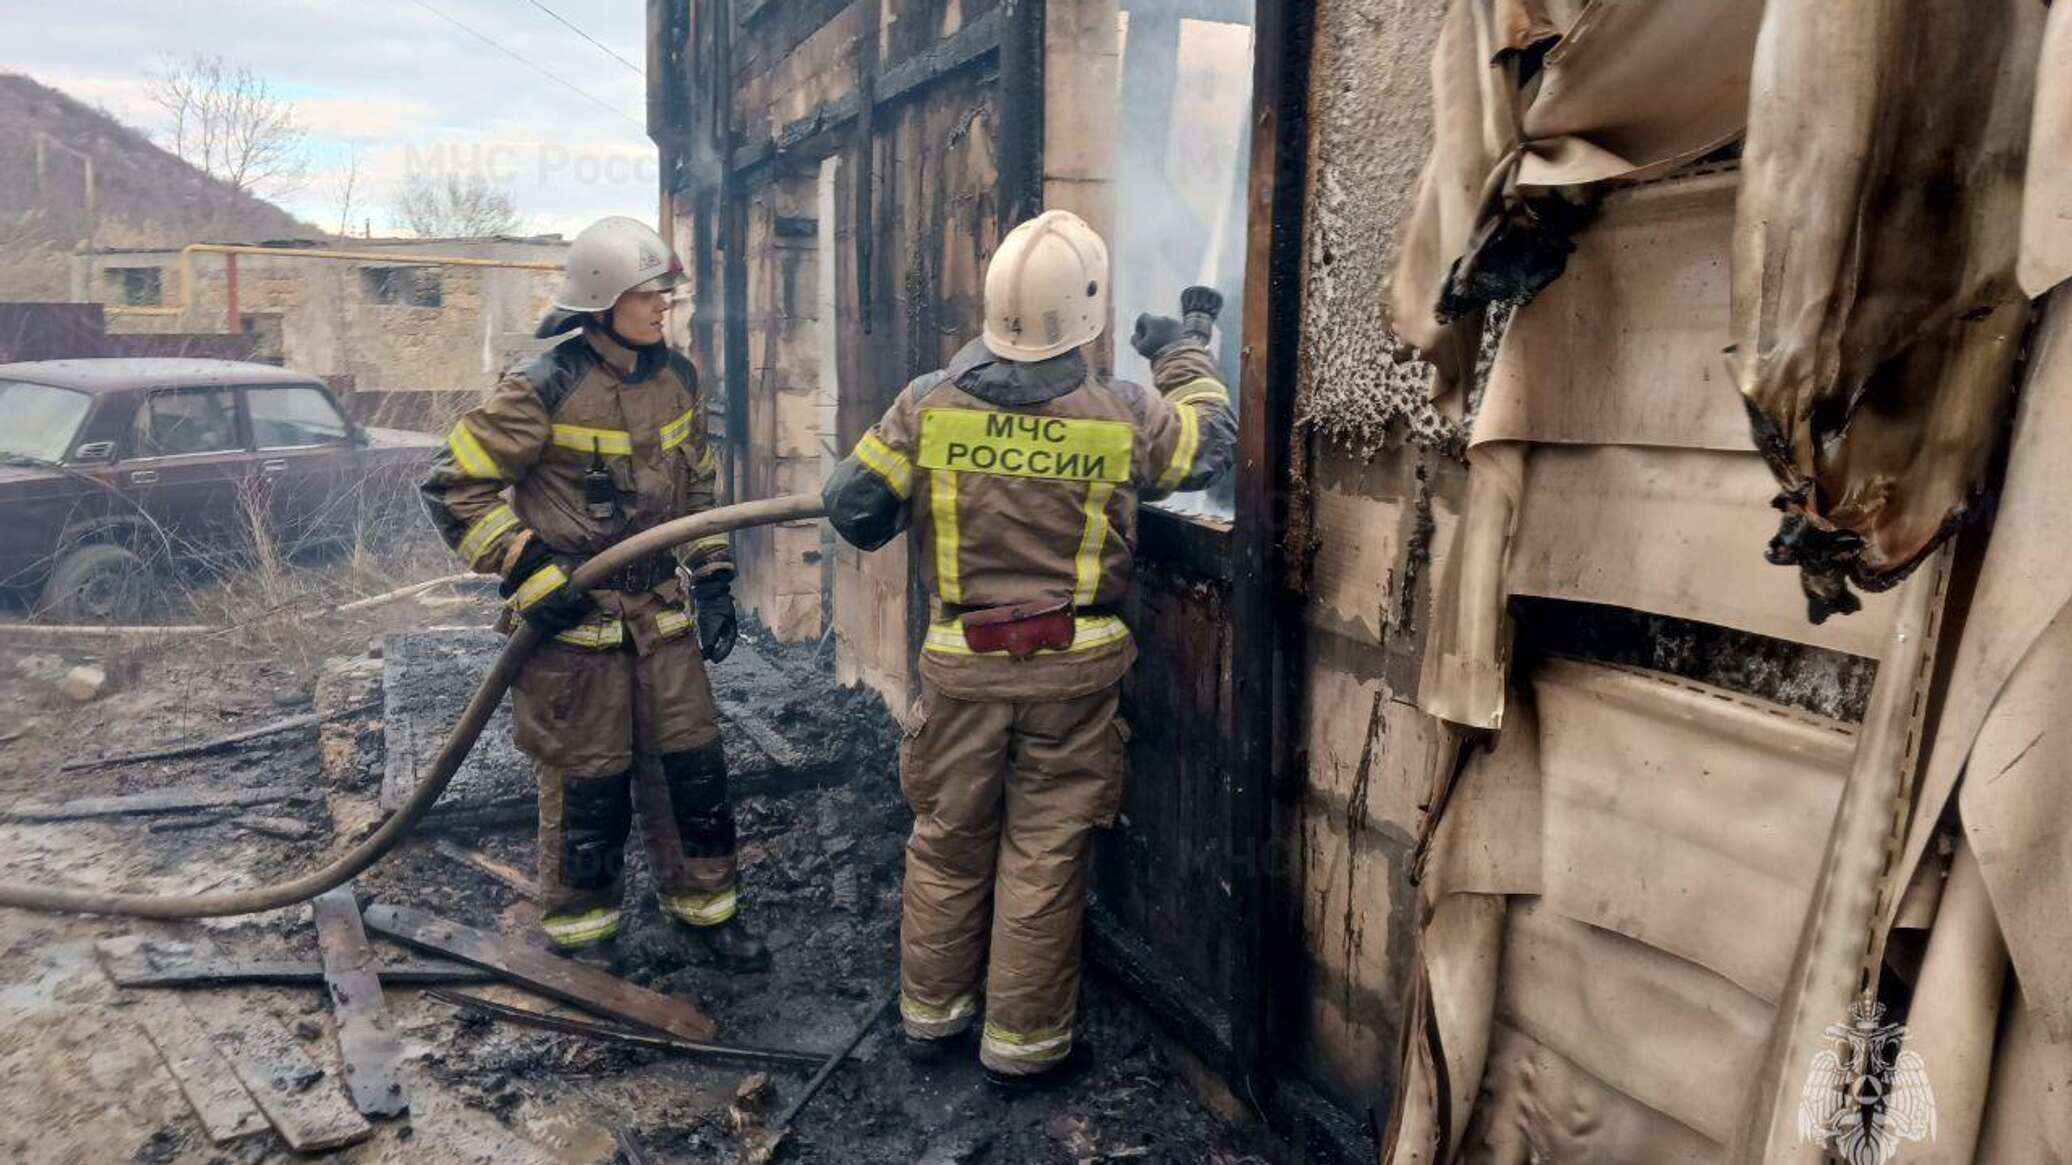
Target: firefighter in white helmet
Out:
[1019,472]
[598,439]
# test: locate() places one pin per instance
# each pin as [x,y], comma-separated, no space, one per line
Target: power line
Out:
[528,63]
[607,49]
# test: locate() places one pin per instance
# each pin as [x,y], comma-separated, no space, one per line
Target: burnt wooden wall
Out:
[937,108]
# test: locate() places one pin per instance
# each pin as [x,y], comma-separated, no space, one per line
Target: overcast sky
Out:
[392,80]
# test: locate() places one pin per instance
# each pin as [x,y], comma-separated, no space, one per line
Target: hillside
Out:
[144,196]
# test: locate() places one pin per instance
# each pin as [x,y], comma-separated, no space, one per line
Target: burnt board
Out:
[366,1035]
[570,982]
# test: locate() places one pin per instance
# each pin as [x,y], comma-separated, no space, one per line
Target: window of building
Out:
[189,420]
[403,286]
[135,286]
[291,417]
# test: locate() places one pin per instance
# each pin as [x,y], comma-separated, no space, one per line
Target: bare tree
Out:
[226,122]
[454,205]
[344,186]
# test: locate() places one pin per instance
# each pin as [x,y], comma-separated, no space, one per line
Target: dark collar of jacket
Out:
[633,365]
[1013,384]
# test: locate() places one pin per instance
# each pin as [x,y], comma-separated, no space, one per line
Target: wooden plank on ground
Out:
[366,1036]
[555,977]
[286,1085]
[225,1109]
[288,973]
[513,878]
[171,751]
[309,1114]
[175,801]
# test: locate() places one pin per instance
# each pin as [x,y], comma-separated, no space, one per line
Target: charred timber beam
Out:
[733,267]
[1262,626]
[864,174]
[1186,1012]
[975,44]
[1019,194]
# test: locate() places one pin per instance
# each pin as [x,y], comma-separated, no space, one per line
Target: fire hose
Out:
[458,744]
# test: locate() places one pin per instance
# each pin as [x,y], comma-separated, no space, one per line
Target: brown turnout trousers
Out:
[616,734]
[1006,797]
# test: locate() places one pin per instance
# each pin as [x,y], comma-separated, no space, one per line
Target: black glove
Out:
[557,609]
[717,625]
[1199,307]
[1155,334]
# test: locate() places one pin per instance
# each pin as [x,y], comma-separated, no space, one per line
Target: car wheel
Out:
[98,583]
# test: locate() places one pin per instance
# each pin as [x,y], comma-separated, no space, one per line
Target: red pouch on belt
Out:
[1020,631]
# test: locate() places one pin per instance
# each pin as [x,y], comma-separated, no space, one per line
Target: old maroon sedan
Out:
[110,468]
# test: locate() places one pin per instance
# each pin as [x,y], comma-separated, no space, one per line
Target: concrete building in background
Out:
[408,331]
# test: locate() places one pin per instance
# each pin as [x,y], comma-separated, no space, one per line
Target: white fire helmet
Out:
[612,257]
[1047,288]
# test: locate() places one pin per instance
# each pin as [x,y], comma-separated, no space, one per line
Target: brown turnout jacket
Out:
[1021,483]
[512,471]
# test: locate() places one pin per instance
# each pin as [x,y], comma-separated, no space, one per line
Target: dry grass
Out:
[270,590]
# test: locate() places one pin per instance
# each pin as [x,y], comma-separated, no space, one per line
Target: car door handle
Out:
[143,476]
[277,465]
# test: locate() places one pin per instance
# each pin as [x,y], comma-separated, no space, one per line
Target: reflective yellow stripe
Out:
[704,909]
[887,463]
[1087,567]
[469,454]
[1026,445]
[544,581]
[942,502]
[577,929]
[937,1022]
[1201,388]
[708,465]
[671,623]
[912,1008]
[597,634]
[609,442]
[1183,453]
[678,431]
[1088,632]
[710,544]
[491,526]
[1034,1048]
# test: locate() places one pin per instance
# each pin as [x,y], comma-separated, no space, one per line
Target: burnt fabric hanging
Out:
[1535,105]
[1876,316]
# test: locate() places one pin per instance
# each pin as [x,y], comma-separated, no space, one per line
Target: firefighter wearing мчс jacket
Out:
[598,439]
[1019,472]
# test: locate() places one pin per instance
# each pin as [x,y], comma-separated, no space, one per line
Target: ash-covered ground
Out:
[822,834]
[822,842]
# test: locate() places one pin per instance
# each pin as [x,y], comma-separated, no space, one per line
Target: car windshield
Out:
[39,421]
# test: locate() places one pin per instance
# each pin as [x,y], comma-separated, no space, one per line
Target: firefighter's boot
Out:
[1044,1079]
[731,946]
[602,955]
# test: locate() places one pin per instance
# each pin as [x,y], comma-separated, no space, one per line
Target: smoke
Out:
[1181,168]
